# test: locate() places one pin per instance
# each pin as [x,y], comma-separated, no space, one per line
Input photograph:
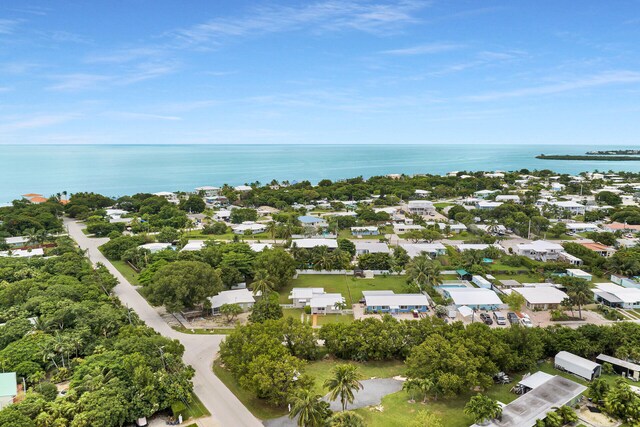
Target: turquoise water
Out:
[126,169]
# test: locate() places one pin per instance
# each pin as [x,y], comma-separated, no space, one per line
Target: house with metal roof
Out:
[390,302]
[478,298]
[617,296]
[622,367]
[8,388]
[537,403]
[542,297]
[243,297]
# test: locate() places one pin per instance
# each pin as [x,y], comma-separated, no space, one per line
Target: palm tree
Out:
[482,408]
[262,283]
[411,386]
[567,414]
[343,383]
[424,271]
[579,292]
[310,409]
[272,227]
[346,419]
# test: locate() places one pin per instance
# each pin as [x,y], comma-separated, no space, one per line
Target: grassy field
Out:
[128,272]
[350,287]
[462,236]
[497,266]
[442,204]
[320,370]
[398,412]
[296,313]
[195,409]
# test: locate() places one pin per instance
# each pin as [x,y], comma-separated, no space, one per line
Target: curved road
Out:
[225,408]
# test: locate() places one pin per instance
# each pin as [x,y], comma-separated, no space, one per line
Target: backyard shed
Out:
[623,367]
[577,365]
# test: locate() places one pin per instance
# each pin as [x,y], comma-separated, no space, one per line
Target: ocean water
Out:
[117,170]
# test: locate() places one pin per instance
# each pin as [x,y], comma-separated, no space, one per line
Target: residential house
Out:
[326,303]
[171,197]
[313,221]
[483,194]
[156,247]
[600,249]
[390,302]
[576,272]
[249,227]
[399,228]
[487,205]
[243,297]
[534,405]
[17,242]
[422,193]
[570,259]
[222,215]
[208,191]
[539,250]
[259,247]
[242,188]
[541,297]
[301,297]
[617,296]
[508,198]
[23,253]
[574,208]
[420,207]
[431,249]
[616,226]
[365,231]
[371,247]
[624,281]
[475,298]
[313,243]
[8,388]
[582,227]
[193,245]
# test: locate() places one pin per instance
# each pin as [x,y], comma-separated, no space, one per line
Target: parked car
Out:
[512,318]
[499,317]
[526,322]
[486,319]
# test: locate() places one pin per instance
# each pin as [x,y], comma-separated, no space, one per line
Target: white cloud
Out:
[141,116]
[423,49]
[329,15]
[79,81]
[603,79]
[12,124]
[8,26]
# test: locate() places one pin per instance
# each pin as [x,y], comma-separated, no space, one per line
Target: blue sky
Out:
[327,71]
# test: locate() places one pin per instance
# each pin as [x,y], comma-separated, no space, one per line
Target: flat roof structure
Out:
[474,296]
[619,362]
[542,294]
[535,380]
[396,300]
[312,243]
[534,405]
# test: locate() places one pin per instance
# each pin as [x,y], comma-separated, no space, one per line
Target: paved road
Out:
[225,408]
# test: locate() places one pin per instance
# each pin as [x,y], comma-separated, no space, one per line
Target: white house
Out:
[23,253]
[242,188]
[576,272]
[208,191]
[249,226]
[259,247]
[487,205]
[156,247]
[369,247]
[478,298]
[481,194]
[222,215]
[301,297]
[8,388]
[371,230]
[508,198]
[326,303]
[542,297]
[399,228]
[243,297]
[422,193]
[574,207]
[115,215]
[581,227]
[431,249]
[18,241]
[420,207]
[193,245]
[172,197]
[312,243]
[617,296]
[539,250]
[313,221]
[390,302]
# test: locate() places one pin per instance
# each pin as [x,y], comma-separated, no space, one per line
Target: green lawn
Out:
[323,319]
[350,287]
[497,266]
[522,278]
[398,412]
[194,409]
[442,204]
[128,272]
[464,235]
[259,408]
[320,370]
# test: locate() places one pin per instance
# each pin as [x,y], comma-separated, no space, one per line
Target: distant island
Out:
[614,152]
[608,157]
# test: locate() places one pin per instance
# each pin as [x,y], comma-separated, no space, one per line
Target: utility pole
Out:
[529,232]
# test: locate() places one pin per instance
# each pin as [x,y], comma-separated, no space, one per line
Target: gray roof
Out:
[619,362]
[524,411]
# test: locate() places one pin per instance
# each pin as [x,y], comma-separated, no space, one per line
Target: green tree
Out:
[424,272]
[578,291]
[310,409]
[279,265]
[266,308]
[482,408]
[230,311]
[558,229]
[168,235]
[346,419]
[183,284]
[194,204]
[347,245]
[344,381]
[515,301]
